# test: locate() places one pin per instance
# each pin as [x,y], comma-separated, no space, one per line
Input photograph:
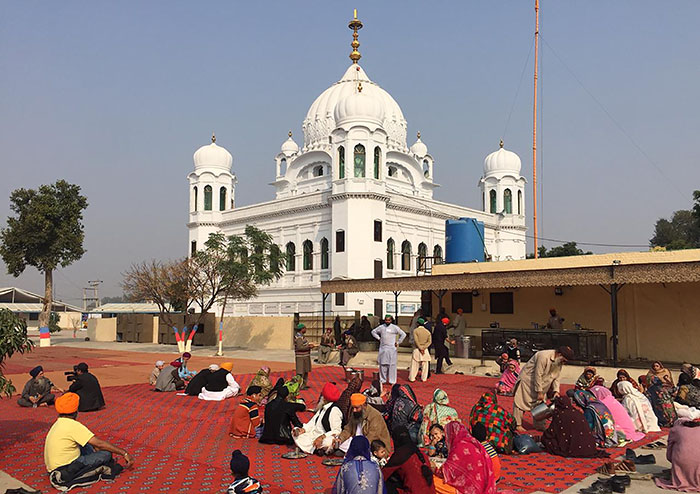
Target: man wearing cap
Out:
[420,358]
[70,447]
[365,421]
[390,337]
[247,421]
[38,389]
[539,378]
[302,354]
[88,388]
[318,434]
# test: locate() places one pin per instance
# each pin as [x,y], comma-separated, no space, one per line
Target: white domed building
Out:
[353,201]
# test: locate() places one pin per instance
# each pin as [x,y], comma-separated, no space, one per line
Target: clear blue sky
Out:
[116,96]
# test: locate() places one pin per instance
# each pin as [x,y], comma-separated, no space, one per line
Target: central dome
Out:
[320,120]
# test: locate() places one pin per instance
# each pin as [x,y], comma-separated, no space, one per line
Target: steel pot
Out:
[542,411]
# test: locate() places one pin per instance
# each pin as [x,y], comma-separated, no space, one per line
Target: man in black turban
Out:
[38,389]
[242,482]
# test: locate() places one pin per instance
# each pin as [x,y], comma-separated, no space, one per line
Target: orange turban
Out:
[330,392]
[227,365]
[67,403]
[357,399]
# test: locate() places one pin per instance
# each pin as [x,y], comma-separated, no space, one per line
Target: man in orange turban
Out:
[364,420]
[71,446]
[318,434]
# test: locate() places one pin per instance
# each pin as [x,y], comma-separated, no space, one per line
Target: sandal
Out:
[655,445]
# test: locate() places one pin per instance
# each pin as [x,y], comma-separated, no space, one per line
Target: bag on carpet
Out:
[525,444]
[75,475]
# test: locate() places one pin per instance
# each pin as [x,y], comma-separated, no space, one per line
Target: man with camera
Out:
[87,387]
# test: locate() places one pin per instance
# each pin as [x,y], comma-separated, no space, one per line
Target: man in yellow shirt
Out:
[71,446]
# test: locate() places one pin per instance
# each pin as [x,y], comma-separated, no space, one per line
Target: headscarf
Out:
[358,473]
[638,407]
[663,374]
[598,416]
[568,434]
[688,392]
[614,388]
[509,377]
[499,422]
[584,382]
[661,403]
[359,446]
[623,422]
[35,371]
[262,379]
[691,371]
[437,412]
[468,467]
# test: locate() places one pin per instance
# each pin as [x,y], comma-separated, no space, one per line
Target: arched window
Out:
[196,198]
[426,169]
[324,253]
[318,171]
[207,198]
[377,161]
[520,202]
[422,255]
[291,259]
[283,166]
[390,248]
[406,255]
[391,171]
[437,255]
[308,259]
[508,201]
[341,162]
[492,198]
[222,199]
[359,161]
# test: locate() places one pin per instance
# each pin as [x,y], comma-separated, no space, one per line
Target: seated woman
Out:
[262,379]
[568,434]
[684,454]
[280,417]
[599,418]
[169,378]
[38,389]
[692,371]
[358,473]
[638,407]
[506,384]
[438,412]
[294,386]
[587,379]
[661,402]
[662,373]
[622,375]
[468,468]
[623,422]
[220,384]
[688,392]
[407,470]
[499,422]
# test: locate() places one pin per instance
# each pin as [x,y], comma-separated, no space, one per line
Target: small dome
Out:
[359,107]
[419,148]
[289,147]
[502,161]
[213,156]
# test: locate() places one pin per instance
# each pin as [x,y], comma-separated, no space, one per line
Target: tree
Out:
[46,232]
[13,339]
[566,249]
[681,232]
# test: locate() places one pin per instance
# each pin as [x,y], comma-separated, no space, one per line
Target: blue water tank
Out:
[464,240]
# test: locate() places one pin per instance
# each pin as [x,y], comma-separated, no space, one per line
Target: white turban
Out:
[159,363]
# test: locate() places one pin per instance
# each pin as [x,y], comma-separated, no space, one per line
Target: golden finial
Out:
[359,87]
[355,24]
[501,144]
[418,134]
[290,134]
[213,137]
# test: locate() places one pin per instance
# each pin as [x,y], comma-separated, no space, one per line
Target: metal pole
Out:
[324,296]
[534,128]
[615,329]
[396,306]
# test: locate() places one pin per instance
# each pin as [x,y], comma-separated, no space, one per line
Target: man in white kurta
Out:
[390,337]
[319,433]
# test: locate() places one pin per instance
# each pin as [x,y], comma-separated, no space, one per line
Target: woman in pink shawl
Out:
[684,454]
[623,422]
[508,379]
[468,468]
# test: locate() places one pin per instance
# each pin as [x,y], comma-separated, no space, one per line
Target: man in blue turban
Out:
[38,389]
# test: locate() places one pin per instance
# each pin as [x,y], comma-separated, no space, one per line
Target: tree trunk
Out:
[48,299]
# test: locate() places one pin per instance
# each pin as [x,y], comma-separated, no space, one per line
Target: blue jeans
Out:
[91,458]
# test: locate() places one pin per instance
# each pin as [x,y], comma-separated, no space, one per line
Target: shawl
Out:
[568,434]
[691,371]
[262,379]
[294,386]
[358,473]
[343,402]
[638,408]
[614,388]
[661,402]
[509,377]
[623,422]
[688,392]
[437,412]
[500,424]
[683,452]
[599,418]
[663,374]
[585,383]
[468,467]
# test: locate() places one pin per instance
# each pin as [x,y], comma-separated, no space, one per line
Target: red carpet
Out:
[181,444]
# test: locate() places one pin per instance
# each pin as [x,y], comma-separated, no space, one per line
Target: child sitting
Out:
[437,446]
[242,483]
[479,433]
[380,455]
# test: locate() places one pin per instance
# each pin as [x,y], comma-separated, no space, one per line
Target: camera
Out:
[71,375]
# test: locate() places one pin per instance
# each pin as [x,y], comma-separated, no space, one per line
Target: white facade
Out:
[346,196]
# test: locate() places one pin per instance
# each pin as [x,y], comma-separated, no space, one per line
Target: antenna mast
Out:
[534,128]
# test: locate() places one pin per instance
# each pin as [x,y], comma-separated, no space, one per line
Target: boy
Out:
[437,446]
[380,455]
[247,421]
[242,483]
[479,433]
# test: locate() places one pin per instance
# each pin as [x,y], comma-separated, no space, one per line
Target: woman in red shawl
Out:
[499,422]
[622,375]
[468,468]
[568,434]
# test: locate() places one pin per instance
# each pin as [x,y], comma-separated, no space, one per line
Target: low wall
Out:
[102,329]
[259,332]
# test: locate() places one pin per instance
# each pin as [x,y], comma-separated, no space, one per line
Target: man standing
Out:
[555,322]
[387,335]
[538,378]
[88,388]
[442,352]
[37,391]
[420,356]
[459,323]
[302,354]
